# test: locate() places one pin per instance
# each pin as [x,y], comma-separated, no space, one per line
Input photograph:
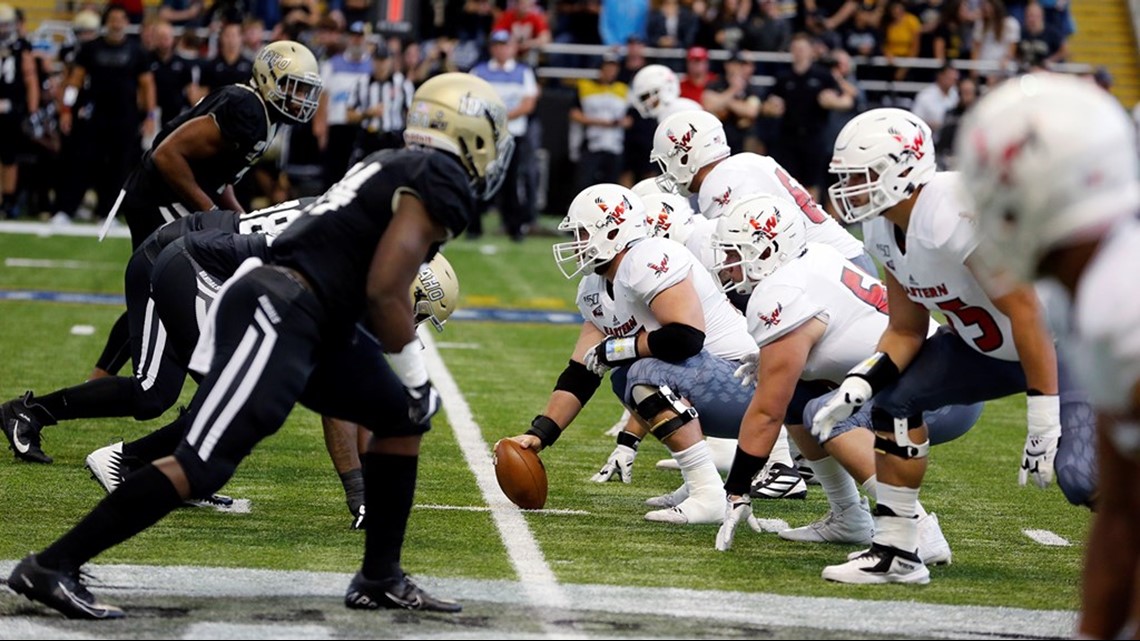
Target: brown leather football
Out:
[521,474]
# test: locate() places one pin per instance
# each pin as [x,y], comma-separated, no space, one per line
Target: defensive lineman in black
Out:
[352,256]
[198,156]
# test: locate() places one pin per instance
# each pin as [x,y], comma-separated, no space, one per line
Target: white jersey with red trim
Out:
[940,236]
[745,174]
[1105,345]
[655,264]
[699,242]
[597,306]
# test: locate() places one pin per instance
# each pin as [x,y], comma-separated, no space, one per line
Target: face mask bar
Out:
[574,252]
[301,92]
[844,194]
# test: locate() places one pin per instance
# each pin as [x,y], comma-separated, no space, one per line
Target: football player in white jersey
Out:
[814,315]
[690,341]
[920,227]
[656,93]
[1052,164]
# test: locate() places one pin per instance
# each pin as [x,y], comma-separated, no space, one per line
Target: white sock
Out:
[837,483]
[903,501]
[780,451]
[698,469]
[723,451]
[871,488]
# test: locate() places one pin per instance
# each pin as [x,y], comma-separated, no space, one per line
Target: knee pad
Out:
[206,477]
[900,428]
[661,409]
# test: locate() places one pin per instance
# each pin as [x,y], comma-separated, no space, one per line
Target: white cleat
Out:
[880,564]
[933,548]
[690,512]
[668,464]
[671,499]
[853,525]
[106,466]
[616,428]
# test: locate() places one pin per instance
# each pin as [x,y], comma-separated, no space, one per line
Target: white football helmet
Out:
[668,216]
[683,144]
[647,187]
[435,292]
[652,87]
[1049,160]
[881,157]
[765,231]
[605,219]
[286,75]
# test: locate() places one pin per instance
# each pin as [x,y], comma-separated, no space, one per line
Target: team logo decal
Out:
[911,148]
[772,319]
[662,224]
[662,267]
[724,198]
[684,143]
[766,229]
[616,214]
[591,299]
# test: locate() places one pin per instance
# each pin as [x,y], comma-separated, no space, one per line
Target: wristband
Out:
[620,349]
[408,365]
[744,467]
[545,429]
[1043,416]
[878,370]
[628,439]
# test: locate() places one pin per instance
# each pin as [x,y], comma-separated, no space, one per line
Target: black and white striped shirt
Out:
[393,94]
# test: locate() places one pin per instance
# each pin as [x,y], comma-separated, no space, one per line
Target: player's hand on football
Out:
[423,402]
[746,373]
[737,508]
[619,465]
[1044,422]
[848,399]
[528,442]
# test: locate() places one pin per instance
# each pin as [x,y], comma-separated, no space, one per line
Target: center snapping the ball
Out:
[521,474]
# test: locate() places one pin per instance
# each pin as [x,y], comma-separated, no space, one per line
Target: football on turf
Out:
[521,474]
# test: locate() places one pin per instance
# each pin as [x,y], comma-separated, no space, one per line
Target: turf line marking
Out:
[222,630]
[42,263]
[47,229]
[538,580]
[484,508]
[446,345]
[1045,537]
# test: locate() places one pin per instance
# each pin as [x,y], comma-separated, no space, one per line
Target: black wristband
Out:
[878,370]
[1032,391]
[545,429]
[628,439]
[744,468]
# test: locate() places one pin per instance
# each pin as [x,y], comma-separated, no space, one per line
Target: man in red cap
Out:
[697,75]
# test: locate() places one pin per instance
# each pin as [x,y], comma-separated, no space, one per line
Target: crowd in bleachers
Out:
[186,47]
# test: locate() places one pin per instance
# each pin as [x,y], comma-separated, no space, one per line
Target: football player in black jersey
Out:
[19,96]
[283,332]
[199,155]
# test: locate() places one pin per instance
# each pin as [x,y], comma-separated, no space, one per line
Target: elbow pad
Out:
[675,342]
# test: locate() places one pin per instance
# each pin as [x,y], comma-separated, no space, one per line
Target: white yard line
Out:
[538,580]
[45,263]
[483,508]
[47,229]
[1045,537]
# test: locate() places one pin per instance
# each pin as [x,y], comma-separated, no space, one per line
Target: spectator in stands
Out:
[823,17]
[19,97]
[116,71]
[1040,46]
[862,39]
[639,136]
[342,74]
[772,31]
[230,66]
[132,8]
[995,39]
[944,146]
[183,13]
[953,39]
[475,21]
[736,102]
[75,173]
[802,96]
[347,12]
[620,19]
[527,25]
[379,106]
[901,31]
[843,70]
[672,25]
[303,12]
[601,109]
[934,101]
[737,26]
[252,36]
[173,74]
[516,85]
[697,74]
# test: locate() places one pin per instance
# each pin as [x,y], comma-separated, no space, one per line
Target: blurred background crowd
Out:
[563,67]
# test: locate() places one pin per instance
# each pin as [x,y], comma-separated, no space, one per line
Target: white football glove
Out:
[609,353]
[736,509]
[1044,422]
[747,370]
[620,464]
[851,395]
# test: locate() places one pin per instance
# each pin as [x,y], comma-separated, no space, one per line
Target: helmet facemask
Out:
[605,219]
[759,235]
[297,96]
[861,192]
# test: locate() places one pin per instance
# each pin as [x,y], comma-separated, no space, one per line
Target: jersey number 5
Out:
[991,338]
[803,199]
[875,295]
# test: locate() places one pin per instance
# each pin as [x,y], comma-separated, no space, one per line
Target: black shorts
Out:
[11,138]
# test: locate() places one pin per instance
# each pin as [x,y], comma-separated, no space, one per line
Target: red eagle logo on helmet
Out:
[771,319]
[662,267]
[724,198]
[767,228]
[685,143]
[615,216]
[662,223]
[1003,160]
[912,147]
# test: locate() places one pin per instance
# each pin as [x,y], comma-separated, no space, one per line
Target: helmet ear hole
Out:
[480,143]
[685,159]
[613,234]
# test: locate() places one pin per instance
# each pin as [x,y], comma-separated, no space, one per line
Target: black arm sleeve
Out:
[675,342]
[579,381]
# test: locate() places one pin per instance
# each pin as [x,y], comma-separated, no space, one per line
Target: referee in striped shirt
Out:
[380,106]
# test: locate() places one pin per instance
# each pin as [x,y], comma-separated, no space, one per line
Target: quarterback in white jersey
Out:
[655,93]
[694,157]
[1052,164]
[925,238]
[814,314]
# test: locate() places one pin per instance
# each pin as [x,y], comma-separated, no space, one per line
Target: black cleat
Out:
[393,593]
[61,591]
[22,428]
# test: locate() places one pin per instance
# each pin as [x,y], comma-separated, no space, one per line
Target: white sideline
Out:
[526,557]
